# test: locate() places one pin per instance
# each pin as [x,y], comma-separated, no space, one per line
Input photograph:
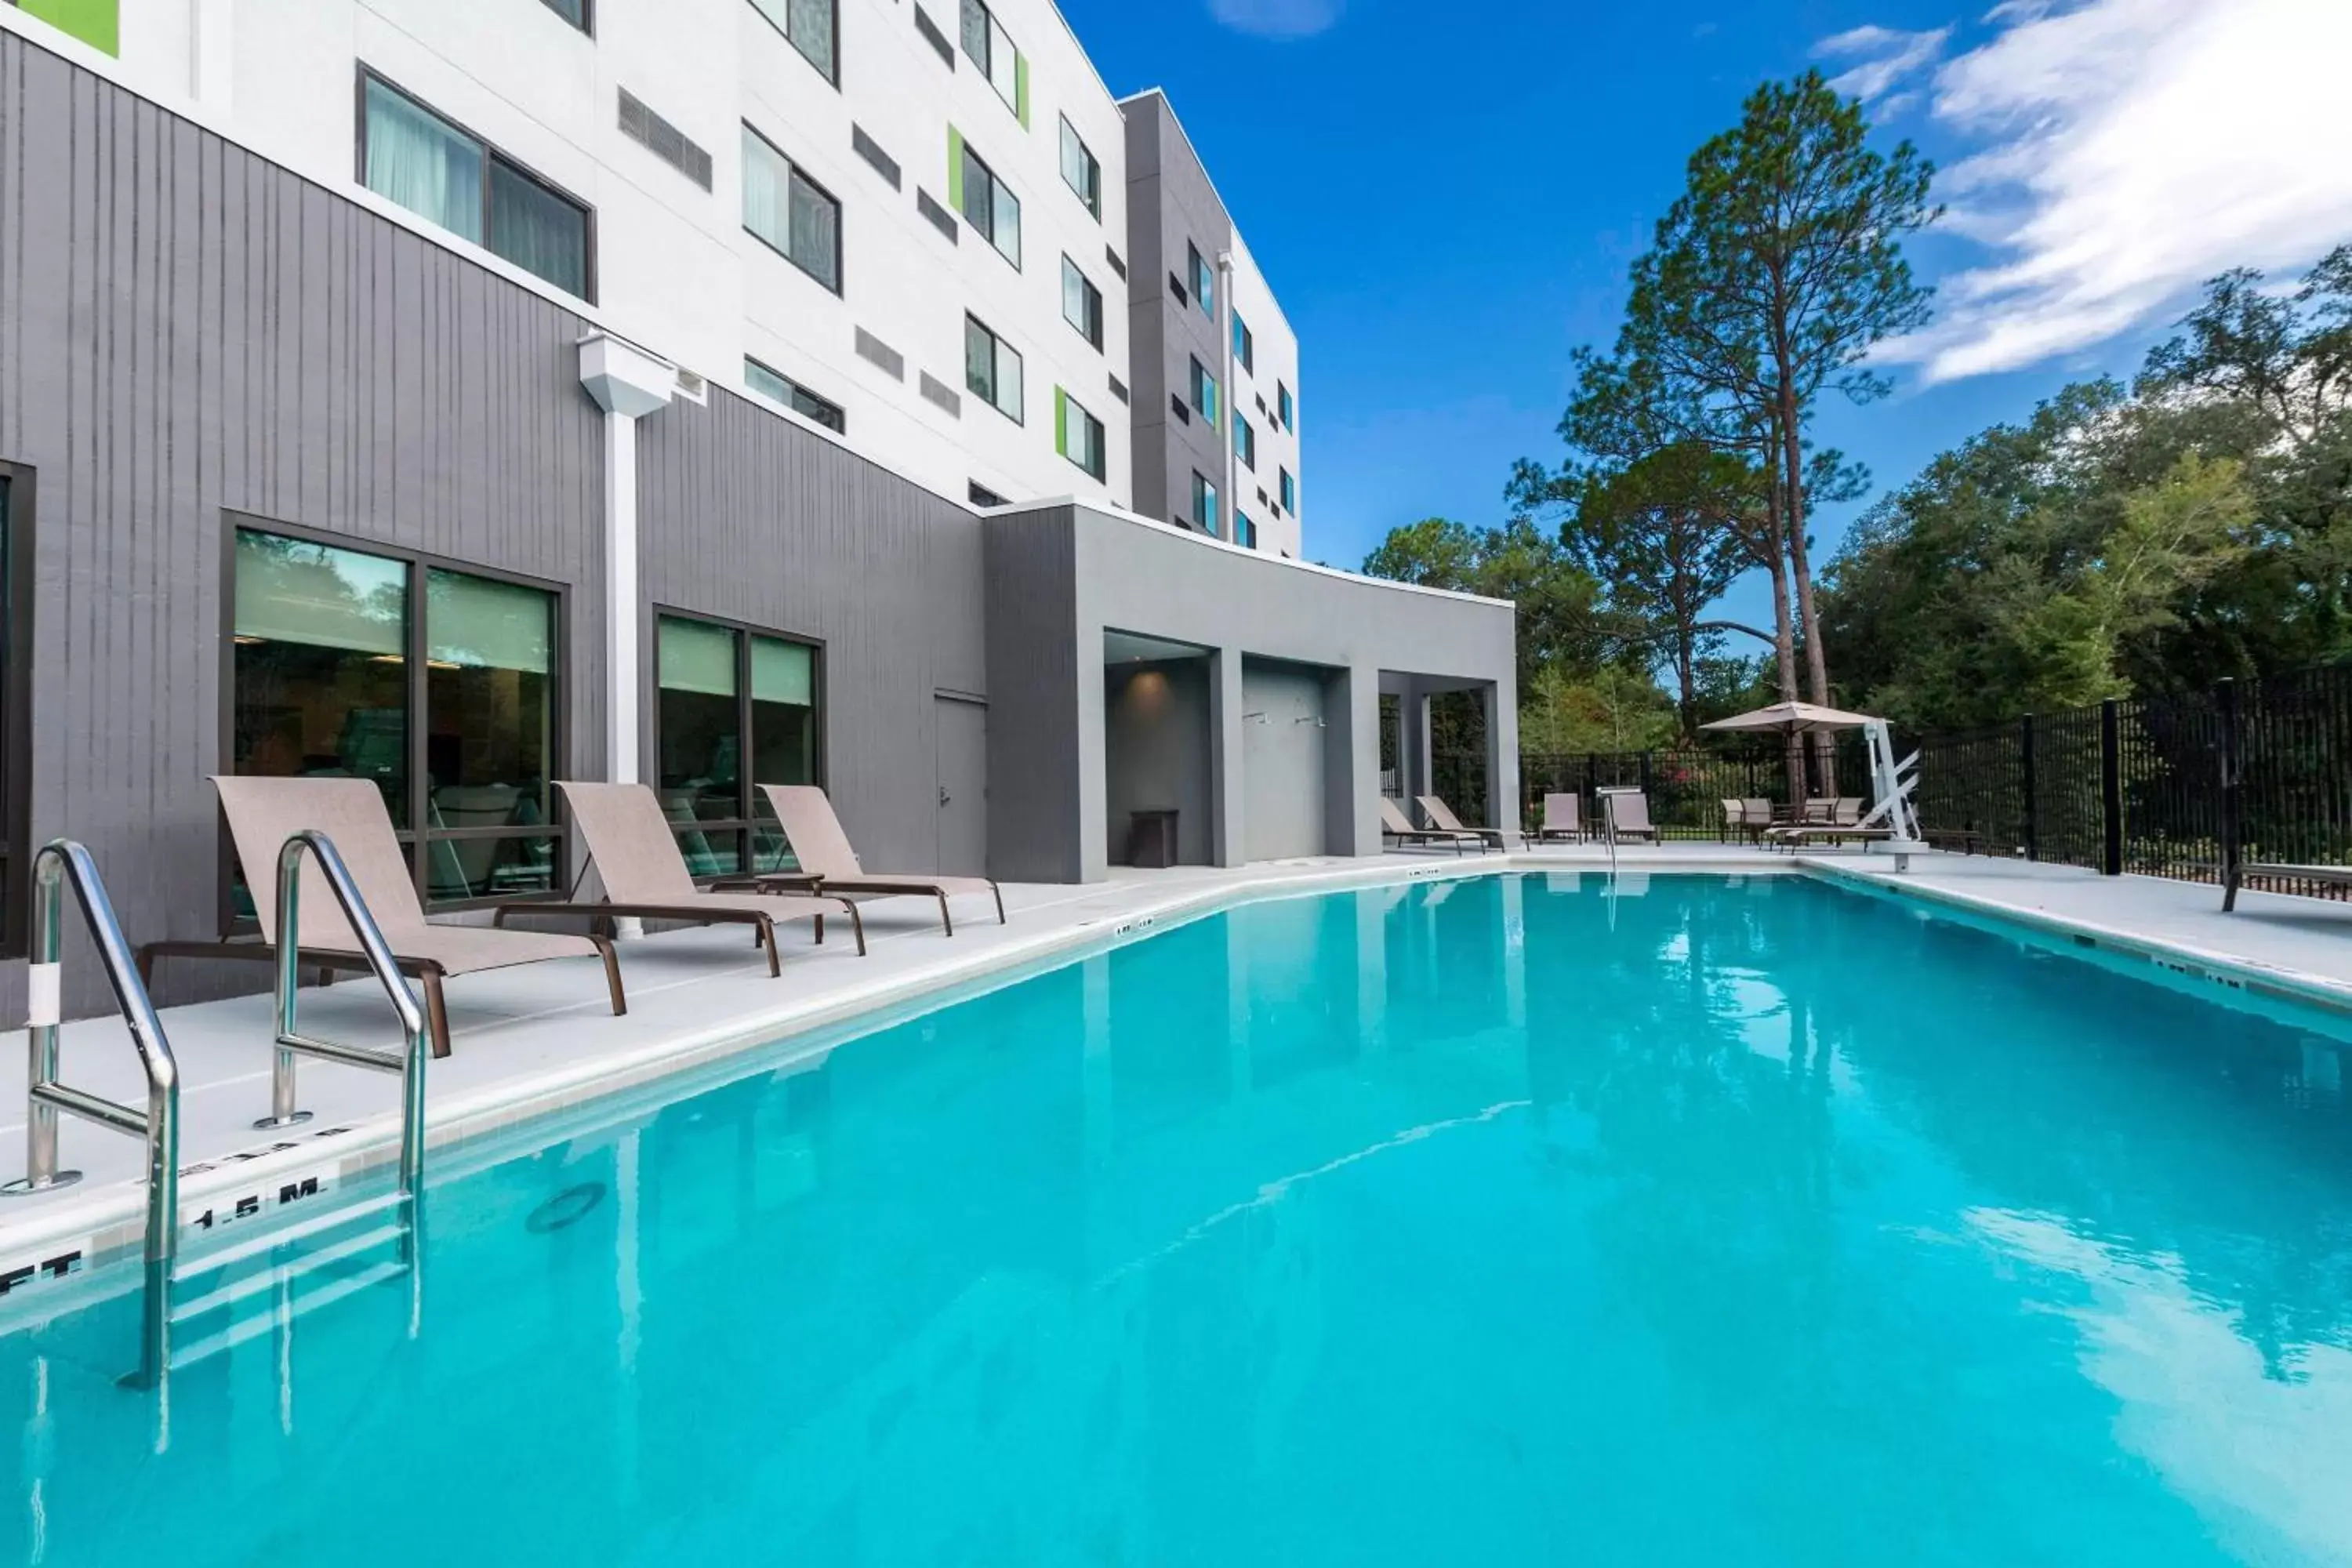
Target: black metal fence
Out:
[2136,785]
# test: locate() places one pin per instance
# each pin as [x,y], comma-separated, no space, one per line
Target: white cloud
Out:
[1890,59]
[1277,18]
[2123,152]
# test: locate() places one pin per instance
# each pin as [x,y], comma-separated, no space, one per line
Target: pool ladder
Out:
[64,861]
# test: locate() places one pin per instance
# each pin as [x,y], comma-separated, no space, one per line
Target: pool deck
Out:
[533,1041]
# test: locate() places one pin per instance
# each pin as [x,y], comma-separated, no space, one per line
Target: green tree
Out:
[2145,539]
[1557,601]
[1662,536]
[1771,279]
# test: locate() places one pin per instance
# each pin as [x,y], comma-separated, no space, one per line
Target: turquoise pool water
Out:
[1504,1222]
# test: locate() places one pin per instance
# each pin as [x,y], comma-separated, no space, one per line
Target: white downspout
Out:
[627,383]
[621,618]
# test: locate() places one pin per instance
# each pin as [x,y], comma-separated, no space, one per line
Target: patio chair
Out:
[1625,813]
[1841,824]
[264,813]
[1441,818]
[637,856]
[1395,824]
[1563,819]
[829,864]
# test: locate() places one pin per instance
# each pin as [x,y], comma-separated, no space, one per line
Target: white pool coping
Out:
[531,1043]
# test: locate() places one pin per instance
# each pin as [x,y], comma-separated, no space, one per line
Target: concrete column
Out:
[1502,759]
[1093,798]
[1412,750]
[1351,761]
[627,383]
[1228,774]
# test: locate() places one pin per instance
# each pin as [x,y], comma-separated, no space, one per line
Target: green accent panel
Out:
[1021,89]
[955,168]
[1061,421]
[97,23]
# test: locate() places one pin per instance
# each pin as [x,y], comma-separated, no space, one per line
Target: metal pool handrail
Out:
[59,862]
[409,1062]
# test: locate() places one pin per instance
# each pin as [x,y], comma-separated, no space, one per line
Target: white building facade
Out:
[902,222]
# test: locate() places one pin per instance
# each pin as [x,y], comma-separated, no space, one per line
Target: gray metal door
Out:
[963,787]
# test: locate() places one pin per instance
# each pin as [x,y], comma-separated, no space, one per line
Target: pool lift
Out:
[162,1309]
[1893,784]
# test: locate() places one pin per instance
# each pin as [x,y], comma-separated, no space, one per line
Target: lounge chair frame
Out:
[855,883]
[602,912]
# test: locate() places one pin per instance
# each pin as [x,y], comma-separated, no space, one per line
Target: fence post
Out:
[2032,795]
[2110,786]
[1645,776]
[2233,822]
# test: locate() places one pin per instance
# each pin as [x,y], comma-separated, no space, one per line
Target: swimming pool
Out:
[1503,1220]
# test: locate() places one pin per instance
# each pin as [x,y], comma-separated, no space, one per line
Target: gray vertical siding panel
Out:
[1039,675]
[186,329]
[743,514]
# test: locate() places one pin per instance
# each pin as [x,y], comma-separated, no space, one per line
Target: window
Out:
[1205,283]
[992,209]
[734,708]
[1245,346]
[794,396]
[1204,505]
[1245,530]
[992,369]
[788,213]
[809,25]
[1078,434]
[1289,493]
[1081,172]
[572,11]
[15,705]
[1204,391]
[982,495]
[411,156]
[1282,404]
[1245,441]
[1082,304]
[437,685]
[1006,70]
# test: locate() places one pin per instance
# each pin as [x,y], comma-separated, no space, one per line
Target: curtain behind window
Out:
[422,162]
[1005,223]
[766,199]
[816,232]
[975,32]
[811,32]
[538,230]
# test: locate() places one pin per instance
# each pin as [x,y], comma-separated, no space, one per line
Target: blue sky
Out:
[1446,201]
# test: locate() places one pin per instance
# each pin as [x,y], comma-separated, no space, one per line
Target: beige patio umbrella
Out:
[1794,719]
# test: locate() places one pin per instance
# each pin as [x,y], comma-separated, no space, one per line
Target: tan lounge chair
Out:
[1395,824]
[1830,822]
[1751,818]
[264,813]
[829,862]
[1441,818]
[637,856]
[1625,813]
[1563,819]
